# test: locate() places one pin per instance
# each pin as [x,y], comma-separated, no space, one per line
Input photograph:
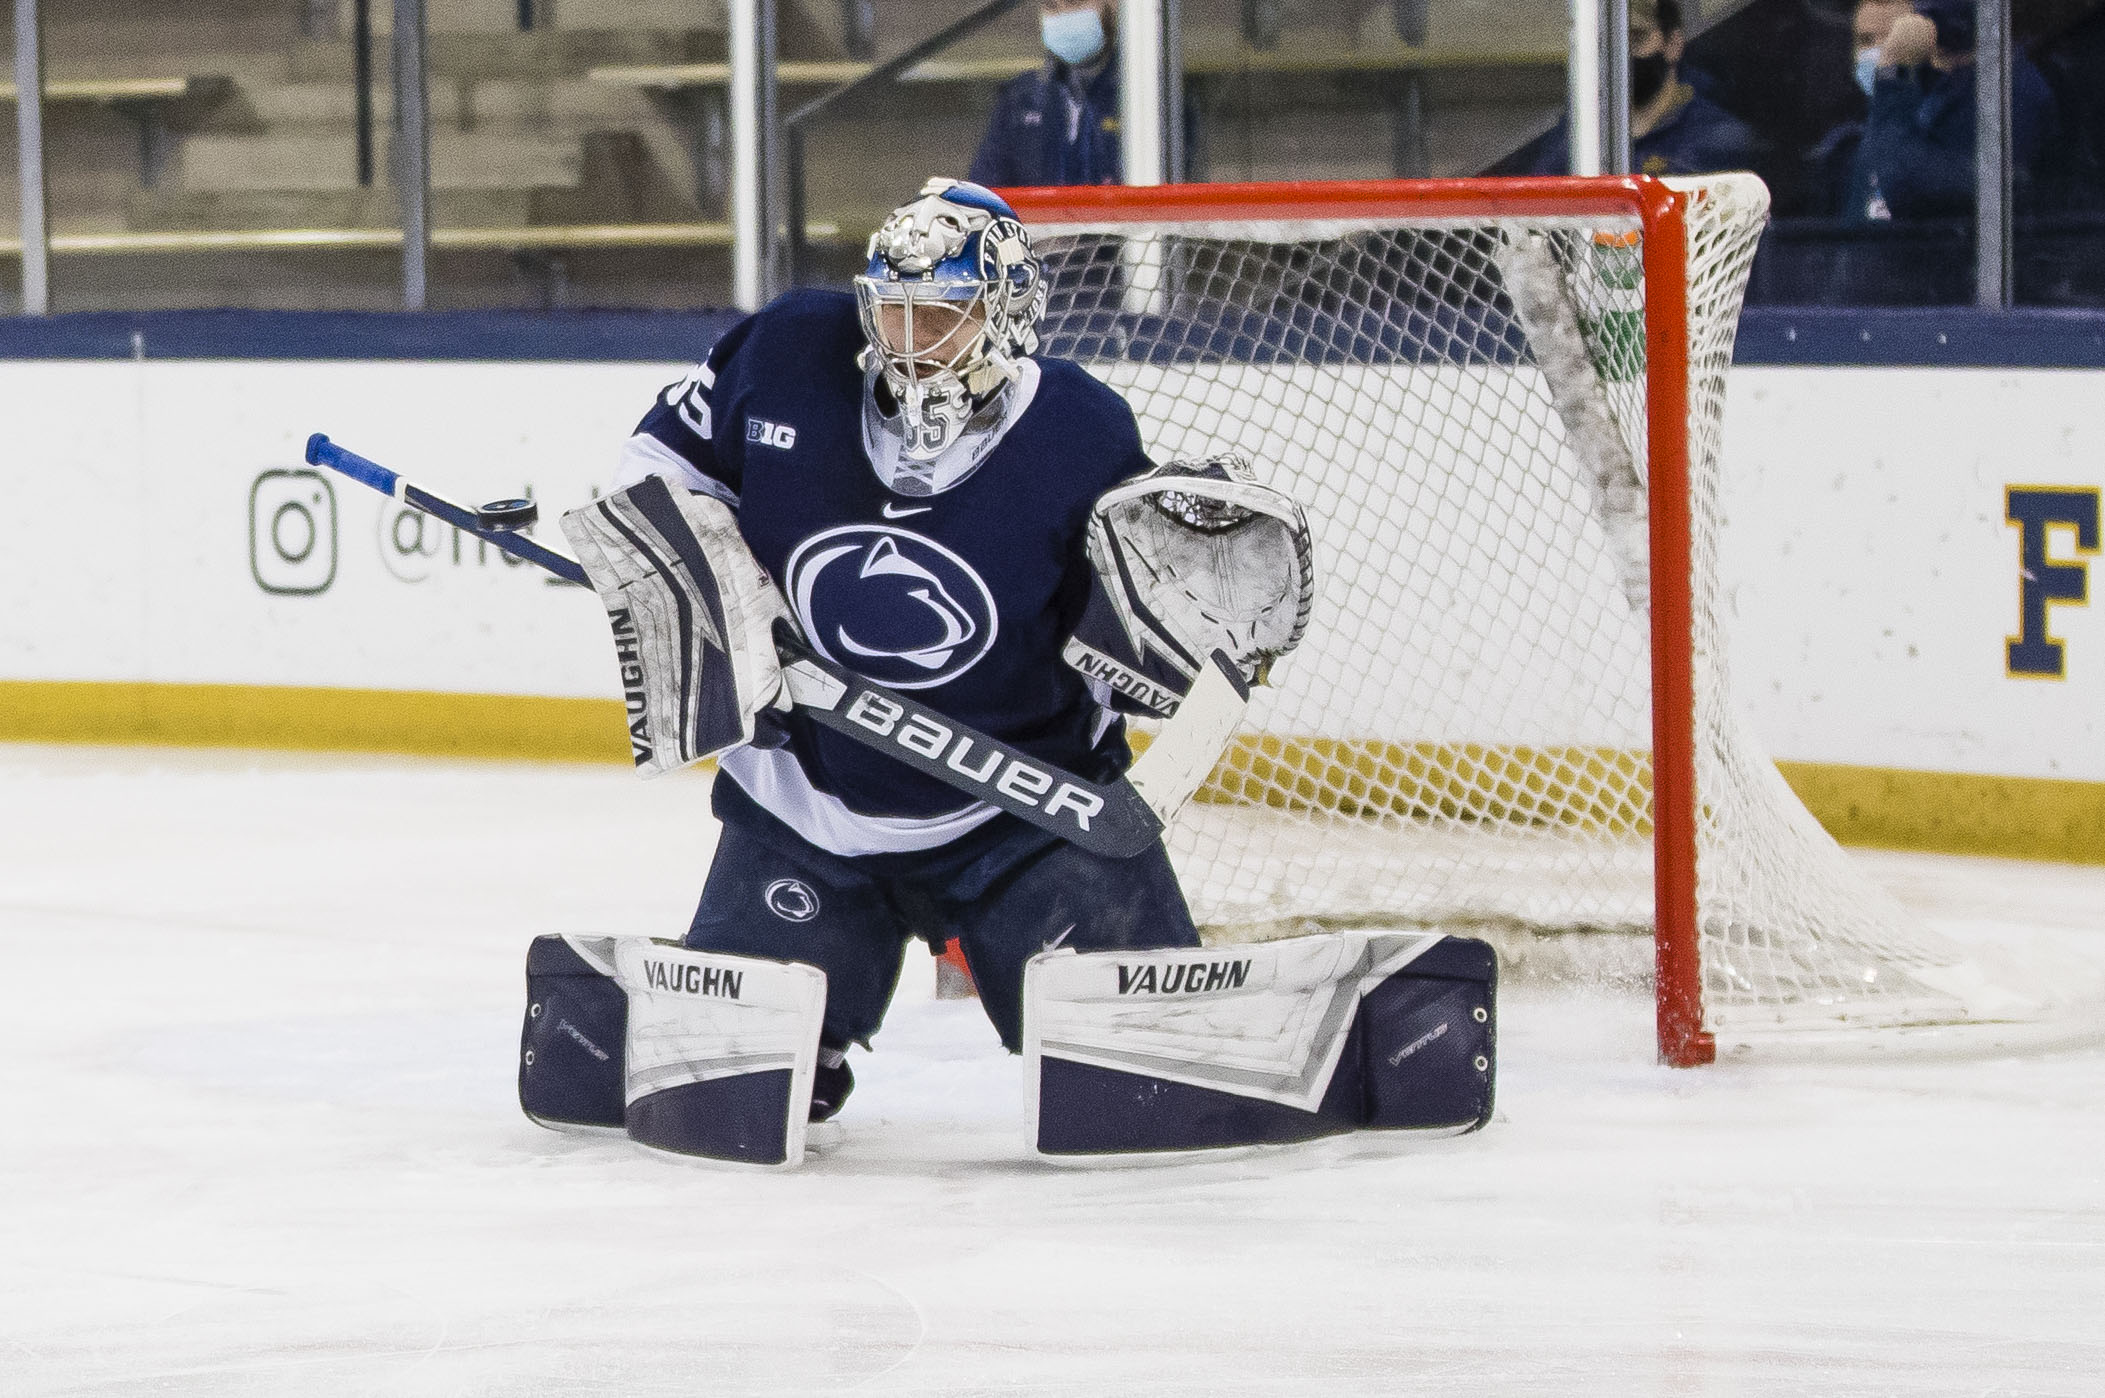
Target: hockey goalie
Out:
[940,509]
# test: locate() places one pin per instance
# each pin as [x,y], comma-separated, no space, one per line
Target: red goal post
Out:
[1660,212]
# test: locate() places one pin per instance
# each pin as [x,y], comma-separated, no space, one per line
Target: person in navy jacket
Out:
[1058,125]
[1915,157]
[1674,129]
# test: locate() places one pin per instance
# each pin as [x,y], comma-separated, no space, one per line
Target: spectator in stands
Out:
[1915,159]
[1674,130]
[1059,124]
[1874,21]
[1828,160]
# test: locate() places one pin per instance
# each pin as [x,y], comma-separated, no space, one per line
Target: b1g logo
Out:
[292,533]
[779,435]
[892,606]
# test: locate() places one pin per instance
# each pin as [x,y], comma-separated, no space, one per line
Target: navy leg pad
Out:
[1084,1109]
[570,1048]
[744,1119]
[1428,1040]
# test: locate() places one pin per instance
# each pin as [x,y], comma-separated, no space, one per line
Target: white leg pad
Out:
[1180,1050]
[720,1052]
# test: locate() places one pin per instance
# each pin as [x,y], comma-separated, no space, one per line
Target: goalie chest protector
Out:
[963,598]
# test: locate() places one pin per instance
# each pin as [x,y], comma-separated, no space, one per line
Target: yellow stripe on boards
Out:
[1589,787]
[1594,788]
[357,720]
[1610,789]
[1954,812]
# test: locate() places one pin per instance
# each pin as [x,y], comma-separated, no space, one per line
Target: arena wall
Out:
[175,573]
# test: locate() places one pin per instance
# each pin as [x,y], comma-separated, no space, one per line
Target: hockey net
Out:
[1500,403]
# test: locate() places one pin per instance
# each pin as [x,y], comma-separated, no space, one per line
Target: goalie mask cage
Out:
[1500,402]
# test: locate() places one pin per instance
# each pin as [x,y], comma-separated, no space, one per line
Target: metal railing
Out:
[29,138]
[768,227]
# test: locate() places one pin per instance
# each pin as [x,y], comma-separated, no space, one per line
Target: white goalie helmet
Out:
[950,304]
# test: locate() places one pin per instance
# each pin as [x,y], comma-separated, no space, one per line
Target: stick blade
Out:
[1186,748]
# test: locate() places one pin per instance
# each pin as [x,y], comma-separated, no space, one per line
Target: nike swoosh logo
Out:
[890,513]
[1054,944]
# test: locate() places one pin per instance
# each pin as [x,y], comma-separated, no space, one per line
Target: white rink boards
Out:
[1871,577]
[257,1069]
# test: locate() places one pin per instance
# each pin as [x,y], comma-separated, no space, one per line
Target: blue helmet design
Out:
[950,303]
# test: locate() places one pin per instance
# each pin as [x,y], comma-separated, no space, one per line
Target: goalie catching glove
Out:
[1192,558]
[692,612]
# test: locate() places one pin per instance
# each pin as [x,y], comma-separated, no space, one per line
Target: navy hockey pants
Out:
[1006,892]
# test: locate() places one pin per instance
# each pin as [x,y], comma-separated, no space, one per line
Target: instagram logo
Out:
[292,533]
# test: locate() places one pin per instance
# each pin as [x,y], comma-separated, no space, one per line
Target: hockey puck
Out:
[505,516]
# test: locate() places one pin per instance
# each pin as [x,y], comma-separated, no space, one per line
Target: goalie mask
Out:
[1192,558]
[950,303]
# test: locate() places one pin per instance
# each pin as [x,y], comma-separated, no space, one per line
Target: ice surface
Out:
[256,1061]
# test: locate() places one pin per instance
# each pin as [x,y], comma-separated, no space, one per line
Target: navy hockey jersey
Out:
[964,597]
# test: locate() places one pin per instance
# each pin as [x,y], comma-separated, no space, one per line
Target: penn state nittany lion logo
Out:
[792,900]
[891,605]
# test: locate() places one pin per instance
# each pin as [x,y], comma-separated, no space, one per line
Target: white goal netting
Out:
[1465,737]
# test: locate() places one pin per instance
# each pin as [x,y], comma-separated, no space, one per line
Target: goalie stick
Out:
[1119,818]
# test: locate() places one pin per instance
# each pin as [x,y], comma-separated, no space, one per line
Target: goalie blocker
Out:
[693,617]
[1253,1045]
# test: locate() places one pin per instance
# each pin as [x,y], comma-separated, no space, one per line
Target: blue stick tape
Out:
[323,452]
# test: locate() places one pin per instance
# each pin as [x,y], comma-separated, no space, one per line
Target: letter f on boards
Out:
[2037,510]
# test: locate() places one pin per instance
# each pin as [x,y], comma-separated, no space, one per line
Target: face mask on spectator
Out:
[1647,77]
[1073,36]
[1867,65]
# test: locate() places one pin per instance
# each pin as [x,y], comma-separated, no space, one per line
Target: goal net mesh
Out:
[1464,738]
